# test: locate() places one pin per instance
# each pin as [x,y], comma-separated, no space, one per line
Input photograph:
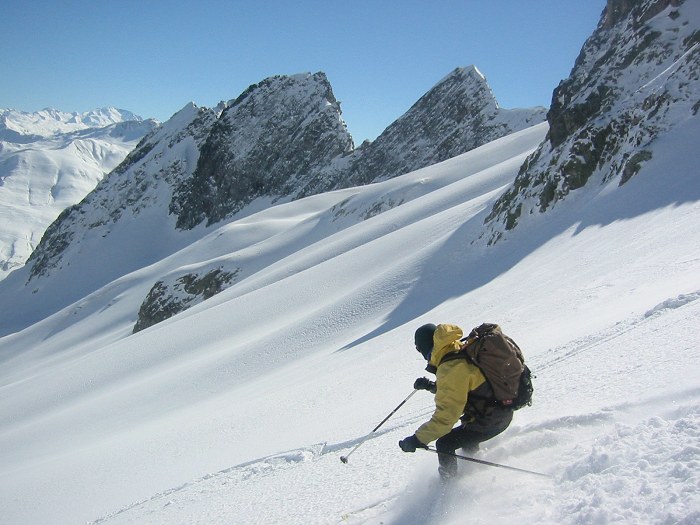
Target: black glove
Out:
[423,383]
[411,443]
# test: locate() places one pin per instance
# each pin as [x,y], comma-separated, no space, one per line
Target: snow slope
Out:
[237,410]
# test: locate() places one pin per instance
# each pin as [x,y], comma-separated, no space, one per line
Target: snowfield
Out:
[237,411]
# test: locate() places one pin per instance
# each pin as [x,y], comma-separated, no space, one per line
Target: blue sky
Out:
[152,57]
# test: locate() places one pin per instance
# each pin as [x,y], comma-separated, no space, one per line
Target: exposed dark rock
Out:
[274,140]
[636,77]
[457,115]
[166,300]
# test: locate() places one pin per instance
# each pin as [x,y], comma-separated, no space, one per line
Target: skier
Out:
[461,392]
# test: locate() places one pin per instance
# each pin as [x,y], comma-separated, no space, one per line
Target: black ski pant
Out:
[466,437]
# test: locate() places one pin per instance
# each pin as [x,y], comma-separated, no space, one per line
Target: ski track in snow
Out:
[587,343]
[634,460]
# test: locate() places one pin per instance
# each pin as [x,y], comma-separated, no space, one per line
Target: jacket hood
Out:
[445,340]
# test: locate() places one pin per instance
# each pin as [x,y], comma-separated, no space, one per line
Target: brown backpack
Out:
[502,363]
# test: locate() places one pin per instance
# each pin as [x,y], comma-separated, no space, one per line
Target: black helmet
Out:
[424,340]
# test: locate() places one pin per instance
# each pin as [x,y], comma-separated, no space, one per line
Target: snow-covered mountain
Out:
[22,126]
[282,139]
[634,86]
[457,115]
[276,140]
[49,160]
[238,408]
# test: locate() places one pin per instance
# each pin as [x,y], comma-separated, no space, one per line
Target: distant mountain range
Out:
[50,160]
[23,126]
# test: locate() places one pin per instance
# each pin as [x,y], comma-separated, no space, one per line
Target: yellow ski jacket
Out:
[455,378]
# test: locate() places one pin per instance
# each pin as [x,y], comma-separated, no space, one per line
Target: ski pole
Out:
[490,464]
[344,459]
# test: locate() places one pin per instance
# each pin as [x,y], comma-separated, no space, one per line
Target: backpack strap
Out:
[462,354]
[455,355]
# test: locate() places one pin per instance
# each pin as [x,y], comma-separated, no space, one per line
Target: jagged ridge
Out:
[274,140]
[635,79]
[457,115]
[283,138]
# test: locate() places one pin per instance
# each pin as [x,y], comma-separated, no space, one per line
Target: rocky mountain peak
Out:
[138,185]
[636,78]
[273,140]
[458,114]
[618,10]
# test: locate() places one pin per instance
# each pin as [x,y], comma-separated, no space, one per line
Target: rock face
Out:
[282,139]
[459,114]
[285,138]
[177,295]
[275,140]
[635,79]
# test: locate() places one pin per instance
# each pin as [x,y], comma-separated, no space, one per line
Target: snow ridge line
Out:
[673,303]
